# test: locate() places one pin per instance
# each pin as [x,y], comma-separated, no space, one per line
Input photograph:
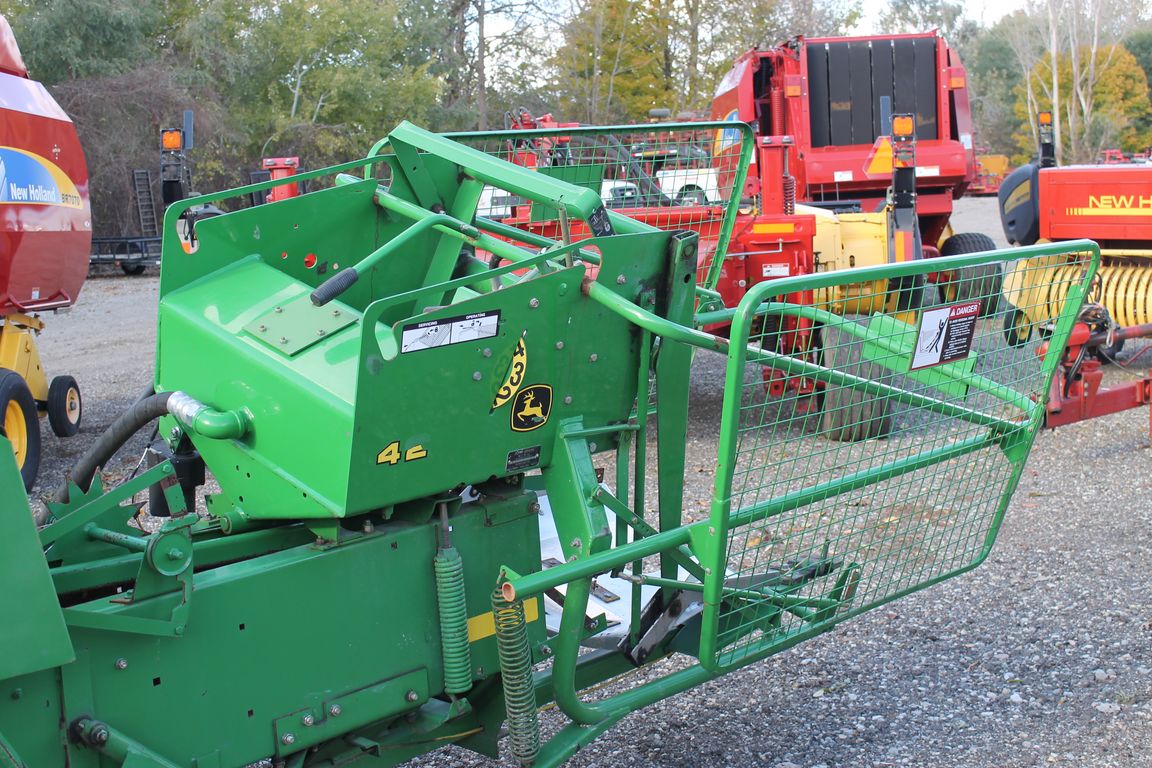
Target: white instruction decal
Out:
[449,330]
[775,270]
[945,334]
[842,175]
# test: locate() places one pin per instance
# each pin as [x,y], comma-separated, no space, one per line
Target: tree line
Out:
[322,79]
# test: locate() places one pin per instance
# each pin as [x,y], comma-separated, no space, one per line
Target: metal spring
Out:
[1124,290]
[789,194]
[516,672]
[453,620]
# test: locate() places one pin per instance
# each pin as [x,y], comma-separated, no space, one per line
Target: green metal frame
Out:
[746,143]
[433,601]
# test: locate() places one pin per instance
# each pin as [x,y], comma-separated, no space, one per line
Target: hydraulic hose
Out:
[150,406]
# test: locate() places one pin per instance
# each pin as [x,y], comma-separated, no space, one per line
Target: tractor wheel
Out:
[850,414]
[1017,329]
[133,269]
[65,406]
[20,424]
[973,283]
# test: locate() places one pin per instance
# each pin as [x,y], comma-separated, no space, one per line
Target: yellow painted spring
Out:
[516,673]
[1124,290]
[453,620]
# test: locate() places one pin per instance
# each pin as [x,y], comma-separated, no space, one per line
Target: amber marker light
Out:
[172,138]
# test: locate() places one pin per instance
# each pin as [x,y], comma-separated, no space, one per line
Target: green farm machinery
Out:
[428,513]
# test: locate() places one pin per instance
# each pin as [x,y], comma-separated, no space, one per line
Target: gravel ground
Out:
[1042,656]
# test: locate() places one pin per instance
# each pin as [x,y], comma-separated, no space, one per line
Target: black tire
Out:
[983,282]
[1017,329]
[850,415]
[133,269]
[20,423]
[65,406]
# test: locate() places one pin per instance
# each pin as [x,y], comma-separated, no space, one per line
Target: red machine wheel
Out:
[20,424]
[65,406]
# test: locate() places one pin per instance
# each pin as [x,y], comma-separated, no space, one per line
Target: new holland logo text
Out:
[1115,205]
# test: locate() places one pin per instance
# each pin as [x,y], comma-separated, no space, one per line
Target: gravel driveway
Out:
[1043,656]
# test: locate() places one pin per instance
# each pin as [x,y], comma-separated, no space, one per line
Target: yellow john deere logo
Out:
[531,407]
[515,375]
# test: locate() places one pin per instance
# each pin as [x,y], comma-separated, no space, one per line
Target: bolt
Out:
[534,303]
[711,530]
[534,508]
[545,650]
[592,447]
[121,663]
[576,544]
[288,738]
[412,696]
[99,735]
[476,376]
[593,357]
[320,331]
[335,313]
[335,710]
[567,399]
[263,328]
[283,339]
[175,554]
[368,526]
[175,432]
[590,624]
[559,345]
[279,309]
[308,720]
[487,352]
[620,279]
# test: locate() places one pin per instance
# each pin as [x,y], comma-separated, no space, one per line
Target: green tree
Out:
[70,39]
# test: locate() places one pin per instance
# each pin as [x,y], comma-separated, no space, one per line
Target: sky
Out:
[984,12]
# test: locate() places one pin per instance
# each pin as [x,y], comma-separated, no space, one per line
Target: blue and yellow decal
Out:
[727,137]
[27,178]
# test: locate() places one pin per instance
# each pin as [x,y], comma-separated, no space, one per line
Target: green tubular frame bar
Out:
[1010,435]
[747,144]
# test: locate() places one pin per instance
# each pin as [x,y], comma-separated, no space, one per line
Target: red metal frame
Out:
[1077,392]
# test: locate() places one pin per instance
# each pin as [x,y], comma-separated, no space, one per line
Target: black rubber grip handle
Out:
[334,286]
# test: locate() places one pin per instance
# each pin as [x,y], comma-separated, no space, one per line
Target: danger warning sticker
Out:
[945,334]
[449,330]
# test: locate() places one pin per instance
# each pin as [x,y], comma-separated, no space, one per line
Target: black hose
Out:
[144,411]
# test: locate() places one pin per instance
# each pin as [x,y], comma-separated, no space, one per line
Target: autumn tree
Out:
[1118,100]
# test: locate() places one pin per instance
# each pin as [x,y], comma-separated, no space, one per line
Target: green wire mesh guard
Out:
[871,441]
[671,176]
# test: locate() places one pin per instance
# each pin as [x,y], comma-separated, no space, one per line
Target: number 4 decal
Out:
[392,455]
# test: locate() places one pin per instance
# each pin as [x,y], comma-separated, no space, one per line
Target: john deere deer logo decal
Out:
[531,407]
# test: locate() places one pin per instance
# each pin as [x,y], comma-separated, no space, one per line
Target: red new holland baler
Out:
[45,236]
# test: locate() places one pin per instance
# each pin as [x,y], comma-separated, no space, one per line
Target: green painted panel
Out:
[34,636]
